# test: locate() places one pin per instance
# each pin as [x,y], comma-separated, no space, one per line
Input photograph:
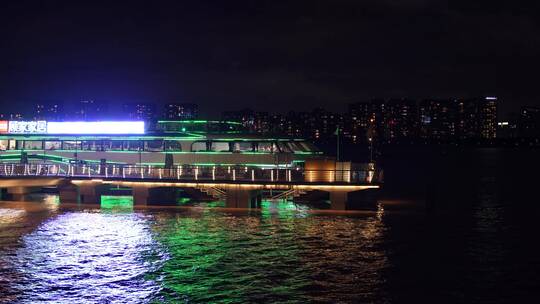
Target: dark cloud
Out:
[269,55]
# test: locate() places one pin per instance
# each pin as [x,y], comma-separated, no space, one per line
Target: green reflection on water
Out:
[216,257]
[117,203]
[183,200]
[195,248]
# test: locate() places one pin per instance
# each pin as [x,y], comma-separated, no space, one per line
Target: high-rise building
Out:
[391,120]
[48,111]
[262,123]
[487,113]
[507,129]
[245,116]
[529,122]
[90,110]
[12,116]
[298,124]
[466,119]
[360,121]
[181,111]
[276,123]
[476,118]
[39,111]
[400,119]
[324,123]
[140,111]
[379,118]
[437,119]
[387,120]
[360,113]
[257,122]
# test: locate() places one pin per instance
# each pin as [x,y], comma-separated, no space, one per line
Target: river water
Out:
[481,250]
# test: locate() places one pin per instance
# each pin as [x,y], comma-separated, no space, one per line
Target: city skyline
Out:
[110,109]
[162,109]
[385,120]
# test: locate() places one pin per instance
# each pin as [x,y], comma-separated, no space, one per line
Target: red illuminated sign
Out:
[3,126]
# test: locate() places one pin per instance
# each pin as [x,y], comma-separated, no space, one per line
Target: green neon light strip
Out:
[58,159]
[51,158]
[8,156]
[160,152]
[33,156]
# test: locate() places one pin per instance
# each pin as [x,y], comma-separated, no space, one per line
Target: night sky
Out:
[267,55]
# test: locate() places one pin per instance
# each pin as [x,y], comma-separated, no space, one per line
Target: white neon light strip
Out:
[96,127]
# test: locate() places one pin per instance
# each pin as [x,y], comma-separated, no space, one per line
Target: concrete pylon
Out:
[69,193]
[338,199]
[90,192]
[238,197]
[140,194]
[87,192]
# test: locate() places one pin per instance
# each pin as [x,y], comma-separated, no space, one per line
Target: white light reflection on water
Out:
[89,257]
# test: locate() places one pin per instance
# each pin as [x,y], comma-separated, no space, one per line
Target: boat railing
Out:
[225,173]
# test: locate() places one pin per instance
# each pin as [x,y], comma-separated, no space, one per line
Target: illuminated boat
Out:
[168,143]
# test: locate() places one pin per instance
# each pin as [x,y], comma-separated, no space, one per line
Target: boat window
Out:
[220,146]
[53,145]
[4,144]
[33,145]
[198,146]
[173,145]
[132,145]
[98,145]
[243,146]
[88,145]
[106,145]
[116,145]
[283,147]
[268,147]
[20,144]
[12,144]
[153,145]
[72,145]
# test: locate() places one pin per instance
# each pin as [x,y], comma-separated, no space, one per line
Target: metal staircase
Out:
[288,194]
[214,192]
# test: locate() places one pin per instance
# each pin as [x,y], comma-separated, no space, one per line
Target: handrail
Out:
[192,173]
[284,194]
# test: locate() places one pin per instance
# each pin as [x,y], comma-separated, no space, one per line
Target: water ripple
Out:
[91,256]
